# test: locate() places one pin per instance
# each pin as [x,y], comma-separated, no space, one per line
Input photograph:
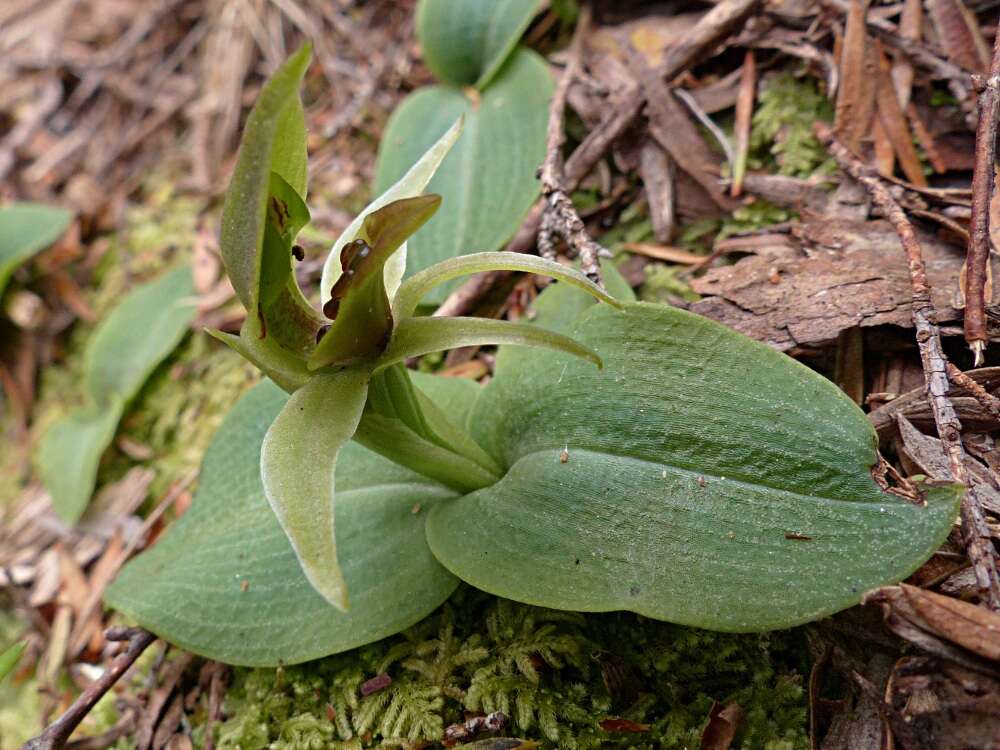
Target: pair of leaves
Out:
[121,354]
[25,229]
[465,42]
[488,180]
[709,481]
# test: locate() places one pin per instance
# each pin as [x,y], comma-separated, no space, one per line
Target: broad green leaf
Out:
[708,481]
[70,453]
[137,335]
[224,582]
[391,438]
[488,180]
[271,142]
[126,347]
[464,42]
[298,460]
[359,302]
[416,287]
[25,229]
[409,185]
[9,658]
[415,337]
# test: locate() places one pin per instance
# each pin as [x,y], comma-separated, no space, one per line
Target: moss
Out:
[555,674]
[663,284]
[781,136]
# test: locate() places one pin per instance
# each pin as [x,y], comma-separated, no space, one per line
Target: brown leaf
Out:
[910,27]
[970,626]
[671,125]
[893,122]
[928,454]
[664,252]
[46,578]
[657,171]
[959,34]
[744,115]
[858,79]
[73,587]
[617,724]
[723,721]
[935,704]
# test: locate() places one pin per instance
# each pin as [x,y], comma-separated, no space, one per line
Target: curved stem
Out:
[417,286]
[391,438]
[414,337]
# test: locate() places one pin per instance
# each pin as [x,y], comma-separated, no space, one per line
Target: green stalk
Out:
[391,438]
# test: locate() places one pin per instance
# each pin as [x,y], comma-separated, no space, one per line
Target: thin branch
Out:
[986,399]
[978,543]
[559,217]
[978,256]
[56,735]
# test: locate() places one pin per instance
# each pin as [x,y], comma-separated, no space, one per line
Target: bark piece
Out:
[844,274]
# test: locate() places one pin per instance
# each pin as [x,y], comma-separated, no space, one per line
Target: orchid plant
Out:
[624,456]
[346,368]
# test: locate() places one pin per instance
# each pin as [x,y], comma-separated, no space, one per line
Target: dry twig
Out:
[559,216]
[57,733]
[978,543]
[986,399]
[978,256]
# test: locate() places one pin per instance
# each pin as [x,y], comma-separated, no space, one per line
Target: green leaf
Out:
[298,460]
[708,481]
[9,658]
[465,41]
[409,185]
[70,453]
[286,215]
[126,347]
[488,180]
[273,141]
[224,582]
[359,302]
[416,287]
[415,337]
[138,334]
[25,229]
